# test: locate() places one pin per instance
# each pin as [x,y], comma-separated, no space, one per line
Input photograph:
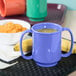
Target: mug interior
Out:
[46,26]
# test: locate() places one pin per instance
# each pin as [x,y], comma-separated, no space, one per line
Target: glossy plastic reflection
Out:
[12,7]
[36,9]
[46,51]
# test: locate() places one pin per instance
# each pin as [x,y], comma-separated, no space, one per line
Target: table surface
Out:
[72,74]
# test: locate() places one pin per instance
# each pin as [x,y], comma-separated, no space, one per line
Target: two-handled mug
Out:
[46,49]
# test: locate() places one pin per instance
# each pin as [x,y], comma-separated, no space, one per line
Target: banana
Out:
[66,44]
[27,45]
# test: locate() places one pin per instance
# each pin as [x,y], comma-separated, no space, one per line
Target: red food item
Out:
[12,7]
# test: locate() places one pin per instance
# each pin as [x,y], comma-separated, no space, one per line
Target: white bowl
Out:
[12,38]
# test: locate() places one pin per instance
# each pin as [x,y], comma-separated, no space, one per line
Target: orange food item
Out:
[11,28]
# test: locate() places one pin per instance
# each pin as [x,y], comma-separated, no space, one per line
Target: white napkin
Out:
[7,53]
[5,65]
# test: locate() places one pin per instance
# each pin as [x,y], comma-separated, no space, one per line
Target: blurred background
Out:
[71,4]
[70,18]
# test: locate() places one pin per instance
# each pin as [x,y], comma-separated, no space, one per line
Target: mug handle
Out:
[25,57]
[72,40]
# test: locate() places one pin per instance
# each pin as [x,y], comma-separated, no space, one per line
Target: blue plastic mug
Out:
[46,50]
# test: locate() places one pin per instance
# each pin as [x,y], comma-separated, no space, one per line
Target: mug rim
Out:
[54,24]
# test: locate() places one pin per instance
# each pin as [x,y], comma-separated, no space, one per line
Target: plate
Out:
[12,38]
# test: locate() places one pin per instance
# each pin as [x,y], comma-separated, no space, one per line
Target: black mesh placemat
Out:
[29,68]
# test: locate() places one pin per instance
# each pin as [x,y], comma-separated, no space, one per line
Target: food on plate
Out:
[26,45]
[66,46]
[10,27]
